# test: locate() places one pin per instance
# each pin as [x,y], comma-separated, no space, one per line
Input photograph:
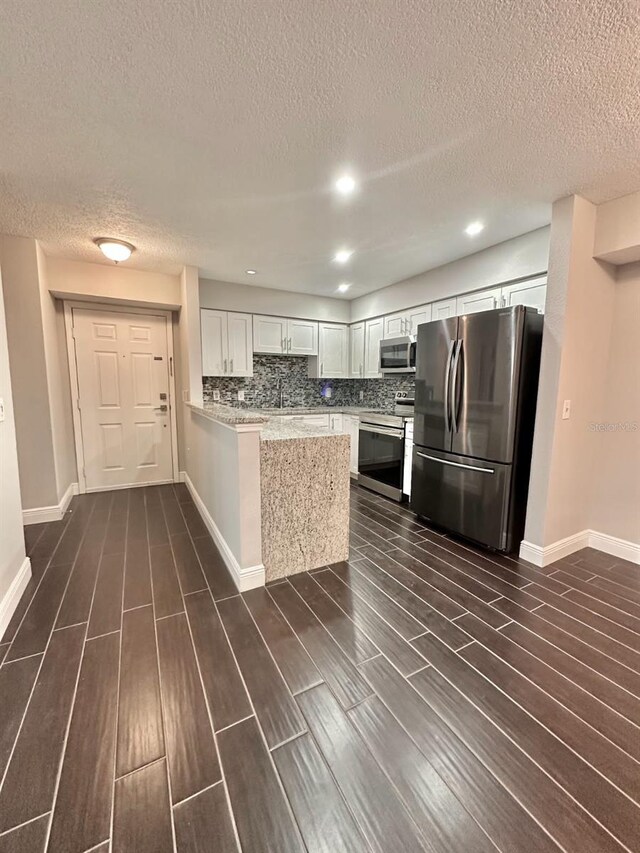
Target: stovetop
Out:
[402,411]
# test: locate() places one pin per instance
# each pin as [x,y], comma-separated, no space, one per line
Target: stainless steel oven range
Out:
[381,448]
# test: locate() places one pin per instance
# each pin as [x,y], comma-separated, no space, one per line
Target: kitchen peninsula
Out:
[274,493]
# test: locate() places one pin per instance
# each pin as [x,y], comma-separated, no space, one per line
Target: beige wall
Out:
[12,554]
[616,472]
[19,263]
[521,257]
[617,237]
[581,295]
[112,283]
[226,296]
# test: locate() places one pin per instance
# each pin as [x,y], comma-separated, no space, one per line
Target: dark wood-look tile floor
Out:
[423,695]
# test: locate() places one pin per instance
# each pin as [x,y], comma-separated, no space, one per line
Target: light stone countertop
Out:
[229,414]
[318,410]
[279,430]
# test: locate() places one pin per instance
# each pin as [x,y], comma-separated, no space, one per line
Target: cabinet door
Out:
[334,350]
[316,420]
[443,309]
[395,325]
[373,333]
[213,330]
[483,300]
[532,292]
[269,335]
[406,473]
[354,432]
[302,337]
[240,348]
[356,350]
[416,316]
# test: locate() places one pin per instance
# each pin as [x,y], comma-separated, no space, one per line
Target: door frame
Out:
[112,308]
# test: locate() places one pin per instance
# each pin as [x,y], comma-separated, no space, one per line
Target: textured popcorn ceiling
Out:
[208,131]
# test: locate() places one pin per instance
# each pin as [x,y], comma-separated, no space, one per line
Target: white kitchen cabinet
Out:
[481,300]
[356,351]
[302,337]
[336,422]
[333,352]
[269,335]
[532,292]
[408,457]
[406,322]
[443,309]
[351,425]
[226,343]
[280,336]
[373,334]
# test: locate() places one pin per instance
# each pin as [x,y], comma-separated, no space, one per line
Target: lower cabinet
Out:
[351,425]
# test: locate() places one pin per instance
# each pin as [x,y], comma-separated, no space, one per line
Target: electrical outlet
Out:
[185,396]
[216,396]
[361,396]
[1,409]
[566,410]
[241,395]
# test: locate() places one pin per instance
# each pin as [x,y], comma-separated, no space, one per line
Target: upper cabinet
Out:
[226,343]
[280,336]
[443,309]
[373,334]
[482,300]
[532,292]
[356,350]
[332,361]
[406,322]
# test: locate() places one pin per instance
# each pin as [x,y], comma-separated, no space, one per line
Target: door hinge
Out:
[171,365]
[78,405]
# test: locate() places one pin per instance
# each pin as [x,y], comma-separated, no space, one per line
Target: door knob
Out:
[162,408]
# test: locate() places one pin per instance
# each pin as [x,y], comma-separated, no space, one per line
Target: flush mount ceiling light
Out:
[473,228]
[345,185]
[342,256]
[115,250]
[343,287]
[251,272]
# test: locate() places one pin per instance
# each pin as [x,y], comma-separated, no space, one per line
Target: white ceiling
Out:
[209,132]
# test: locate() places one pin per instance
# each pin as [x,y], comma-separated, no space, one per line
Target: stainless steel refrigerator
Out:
[475,399]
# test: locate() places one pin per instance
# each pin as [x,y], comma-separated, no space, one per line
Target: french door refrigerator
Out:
[475,400]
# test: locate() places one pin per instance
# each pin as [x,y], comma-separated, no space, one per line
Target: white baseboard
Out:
[40,514]
[585,539]
[245,579]
[14,594]
[182,476]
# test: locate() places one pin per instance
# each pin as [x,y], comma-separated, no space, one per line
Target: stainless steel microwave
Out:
[398,355]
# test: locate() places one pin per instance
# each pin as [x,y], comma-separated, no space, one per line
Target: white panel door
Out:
[334,350]
[443,309]
[240,344]
[532,292]
[356,350]
[373,333]
[213,330]
[269,335]
[123,383]
[395,325]
[483,300]
[302,337]
[415,316]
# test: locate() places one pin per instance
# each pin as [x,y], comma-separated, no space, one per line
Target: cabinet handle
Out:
[289,347]
[225,365]
[321,368]
[231,366]
[283,344]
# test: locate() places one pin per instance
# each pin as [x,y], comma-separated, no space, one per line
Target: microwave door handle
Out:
[447,385]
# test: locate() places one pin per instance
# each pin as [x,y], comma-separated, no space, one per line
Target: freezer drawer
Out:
[468,496]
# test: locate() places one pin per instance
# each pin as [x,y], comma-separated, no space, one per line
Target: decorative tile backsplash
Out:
[262,389]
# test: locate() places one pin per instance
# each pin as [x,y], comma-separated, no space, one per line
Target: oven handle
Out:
[397,433]
[456,464]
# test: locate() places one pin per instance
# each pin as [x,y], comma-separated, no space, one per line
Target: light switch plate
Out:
[216,396]
[361,396]
[566,410]
[1,409]
[240,395]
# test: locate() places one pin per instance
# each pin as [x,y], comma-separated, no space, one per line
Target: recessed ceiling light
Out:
[115,250]
[343,287]
[251,272]
[473,228]
[345,185]
[342,256]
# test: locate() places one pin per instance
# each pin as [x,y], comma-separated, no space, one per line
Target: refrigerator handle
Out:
[455,406]
[447,386]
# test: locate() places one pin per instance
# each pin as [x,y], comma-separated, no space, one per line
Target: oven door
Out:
[381,459]
[395,355]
